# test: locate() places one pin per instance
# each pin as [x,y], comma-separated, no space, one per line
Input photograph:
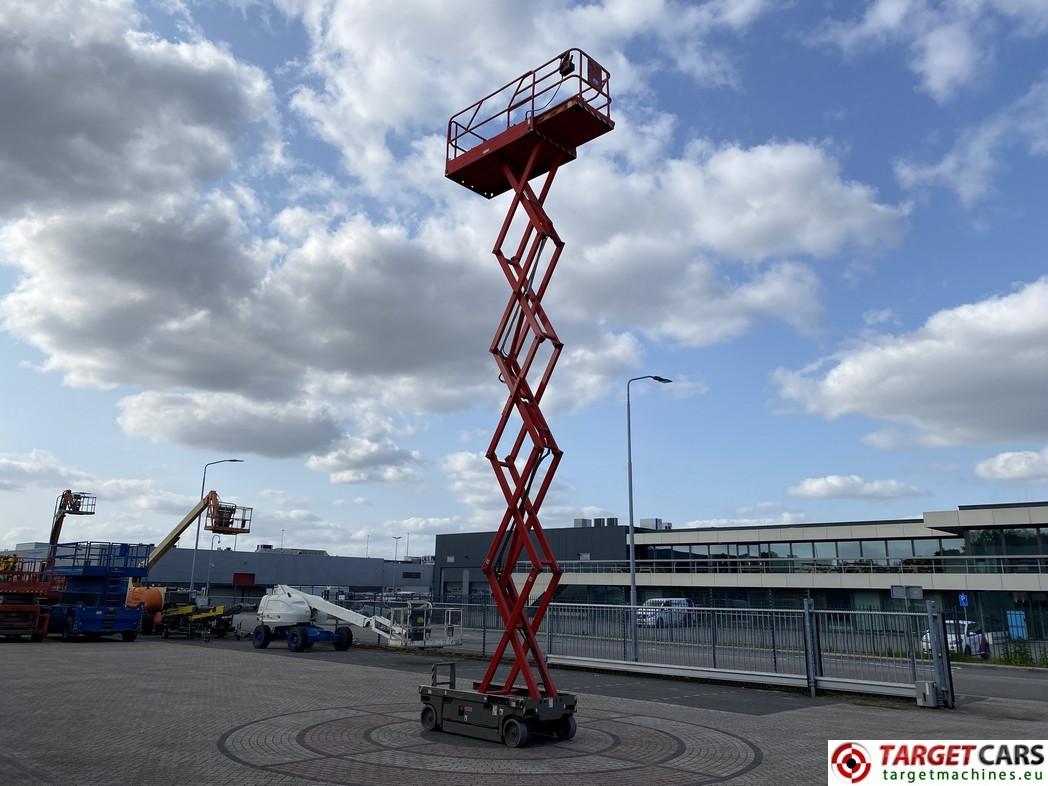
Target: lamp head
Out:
[663,380]
[567,64]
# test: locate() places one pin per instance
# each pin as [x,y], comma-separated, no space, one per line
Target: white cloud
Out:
[473,482]
[879,316]
[360,460]
[128,508]
[975,158]
[899,439]
[973,373]
[97,108]
[783,519]
[375,89]
[311,328]
[852,487]
[950,43]
[1025,466]
[229,422]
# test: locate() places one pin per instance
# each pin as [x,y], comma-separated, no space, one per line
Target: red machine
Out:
[528,128]
[26,584]
[24,590]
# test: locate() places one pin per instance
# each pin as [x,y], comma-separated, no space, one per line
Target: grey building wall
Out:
[457,576]
[360,574]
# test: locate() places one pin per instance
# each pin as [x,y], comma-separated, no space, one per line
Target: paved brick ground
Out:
[168,713]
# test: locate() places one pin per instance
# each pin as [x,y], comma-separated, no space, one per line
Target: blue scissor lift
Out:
[93,602]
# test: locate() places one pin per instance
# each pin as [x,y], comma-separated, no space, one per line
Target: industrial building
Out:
[994,555]
[245,575]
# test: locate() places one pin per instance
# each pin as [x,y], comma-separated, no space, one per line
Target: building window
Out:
[826,549]
[777,552]
[874,549]
[846,549]
[985,542]
[900,549]
[801,550]
[1020,541]
[953,547]
[411,574]
[925,547]
[718,551]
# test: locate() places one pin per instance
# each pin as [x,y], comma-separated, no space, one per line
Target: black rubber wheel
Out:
[261,637]
[514,733]
[428,718]
[566,727]
[36,636]
[343,638]
[296,639]
[69,629]
[129,635]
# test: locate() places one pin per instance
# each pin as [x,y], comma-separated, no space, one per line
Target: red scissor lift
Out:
[24,596]
[528,128]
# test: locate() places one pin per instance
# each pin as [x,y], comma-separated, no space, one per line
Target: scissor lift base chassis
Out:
[483,715]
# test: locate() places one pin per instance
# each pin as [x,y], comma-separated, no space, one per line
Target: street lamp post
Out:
[211,564]
[196,542]
[629,477]
[396,546]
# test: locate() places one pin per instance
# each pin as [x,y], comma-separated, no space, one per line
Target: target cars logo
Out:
[876,762]
[850,762]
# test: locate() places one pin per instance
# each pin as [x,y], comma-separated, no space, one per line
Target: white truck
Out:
[303,619]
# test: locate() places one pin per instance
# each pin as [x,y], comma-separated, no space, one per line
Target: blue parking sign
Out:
[962,599]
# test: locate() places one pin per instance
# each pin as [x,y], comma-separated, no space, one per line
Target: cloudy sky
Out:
[224,232]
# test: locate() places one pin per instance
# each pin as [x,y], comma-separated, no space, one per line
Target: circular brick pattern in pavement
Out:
[380,744]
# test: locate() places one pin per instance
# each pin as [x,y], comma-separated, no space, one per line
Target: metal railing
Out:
[859,651]
[531,94]
[88,555]
[1031,564]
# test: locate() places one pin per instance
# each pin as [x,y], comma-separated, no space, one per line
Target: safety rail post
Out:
[774,647]
[811,667]
[910,623]
[940,654]
[713,635]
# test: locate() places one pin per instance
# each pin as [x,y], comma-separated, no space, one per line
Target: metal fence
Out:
[727,564]
[861,651]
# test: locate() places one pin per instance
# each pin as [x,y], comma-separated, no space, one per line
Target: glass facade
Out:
[979,550]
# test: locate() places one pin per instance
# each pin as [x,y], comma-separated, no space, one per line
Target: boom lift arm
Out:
[222,517]
[394,633]
[209,502]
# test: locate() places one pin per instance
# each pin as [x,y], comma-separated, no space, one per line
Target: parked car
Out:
[667,612]
[965,638]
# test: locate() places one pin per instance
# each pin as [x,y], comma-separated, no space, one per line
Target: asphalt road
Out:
[1000,682]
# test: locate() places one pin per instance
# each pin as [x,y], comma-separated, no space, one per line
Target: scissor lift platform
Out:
[494,716]
[548,112]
